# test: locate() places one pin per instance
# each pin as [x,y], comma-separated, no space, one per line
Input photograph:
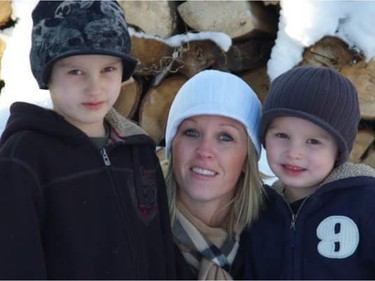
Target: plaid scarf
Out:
[209,251]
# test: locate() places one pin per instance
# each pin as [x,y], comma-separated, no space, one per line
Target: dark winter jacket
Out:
[69,210]
[332,235]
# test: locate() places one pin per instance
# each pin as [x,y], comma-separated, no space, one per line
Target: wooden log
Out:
[362,76]
[250,54]
[5,12]
[235,18]
[197,56]
[330,52]
[258,80]
[154,108]
[128,101]
[242,56]
[362,142]
[370,157]
[152,17]
[153,54]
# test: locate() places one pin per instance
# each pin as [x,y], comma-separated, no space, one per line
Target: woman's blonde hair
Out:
[247,200]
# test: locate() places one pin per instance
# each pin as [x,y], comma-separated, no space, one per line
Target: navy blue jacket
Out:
[332,235]
[69,210]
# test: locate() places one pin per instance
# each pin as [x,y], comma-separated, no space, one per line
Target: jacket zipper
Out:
[107,163]
[293,234]
[106,160]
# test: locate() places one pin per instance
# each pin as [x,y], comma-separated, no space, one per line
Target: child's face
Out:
[83,89]
[209,153]
[300,153]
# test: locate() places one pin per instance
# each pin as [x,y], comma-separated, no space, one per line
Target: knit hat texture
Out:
[67,28]
[213,92]
[320,95]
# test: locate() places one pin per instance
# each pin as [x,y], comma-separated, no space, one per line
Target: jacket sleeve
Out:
[21,254]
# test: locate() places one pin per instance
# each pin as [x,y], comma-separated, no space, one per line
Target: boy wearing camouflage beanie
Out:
[318,222]
[82,192]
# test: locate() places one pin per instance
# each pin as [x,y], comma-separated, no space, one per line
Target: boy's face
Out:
[83,89]
[300,153]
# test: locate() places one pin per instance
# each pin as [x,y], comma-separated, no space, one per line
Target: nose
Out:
[205,148]
[93,85]
[295,150]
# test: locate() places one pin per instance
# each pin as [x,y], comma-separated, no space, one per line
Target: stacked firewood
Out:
[173,40]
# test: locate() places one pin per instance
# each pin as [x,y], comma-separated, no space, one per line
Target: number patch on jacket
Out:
[339,237]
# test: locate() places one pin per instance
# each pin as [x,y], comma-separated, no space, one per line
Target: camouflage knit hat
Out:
[320,95]
[67,28]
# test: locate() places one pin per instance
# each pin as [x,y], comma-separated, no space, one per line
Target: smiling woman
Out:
[214,185]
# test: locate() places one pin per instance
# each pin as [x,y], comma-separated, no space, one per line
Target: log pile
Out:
[173,40]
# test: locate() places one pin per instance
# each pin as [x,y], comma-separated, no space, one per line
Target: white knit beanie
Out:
[213,92]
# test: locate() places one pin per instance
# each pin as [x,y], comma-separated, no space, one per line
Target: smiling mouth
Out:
[292,169]
[203,172]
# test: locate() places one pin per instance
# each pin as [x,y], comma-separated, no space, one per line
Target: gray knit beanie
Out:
[67,28]
[214,92]
[320,95]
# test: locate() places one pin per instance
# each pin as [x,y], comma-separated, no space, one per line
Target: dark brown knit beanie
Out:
[320,95]
[76,27]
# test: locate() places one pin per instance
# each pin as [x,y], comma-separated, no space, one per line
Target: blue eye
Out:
[75,72]
[226,137]
[281,135]
[191,133]
[313,141]
[109,69]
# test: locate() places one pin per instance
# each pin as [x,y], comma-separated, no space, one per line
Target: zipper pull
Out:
[106,160]
[293,223]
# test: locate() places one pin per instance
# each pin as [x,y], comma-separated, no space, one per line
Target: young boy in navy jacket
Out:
[319,220]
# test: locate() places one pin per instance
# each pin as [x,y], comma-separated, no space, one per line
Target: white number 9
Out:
[339,237]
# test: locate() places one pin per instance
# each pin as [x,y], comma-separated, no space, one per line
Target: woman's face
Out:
[209,154]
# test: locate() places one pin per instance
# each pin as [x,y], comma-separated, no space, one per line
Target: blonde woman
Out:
[214,185]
